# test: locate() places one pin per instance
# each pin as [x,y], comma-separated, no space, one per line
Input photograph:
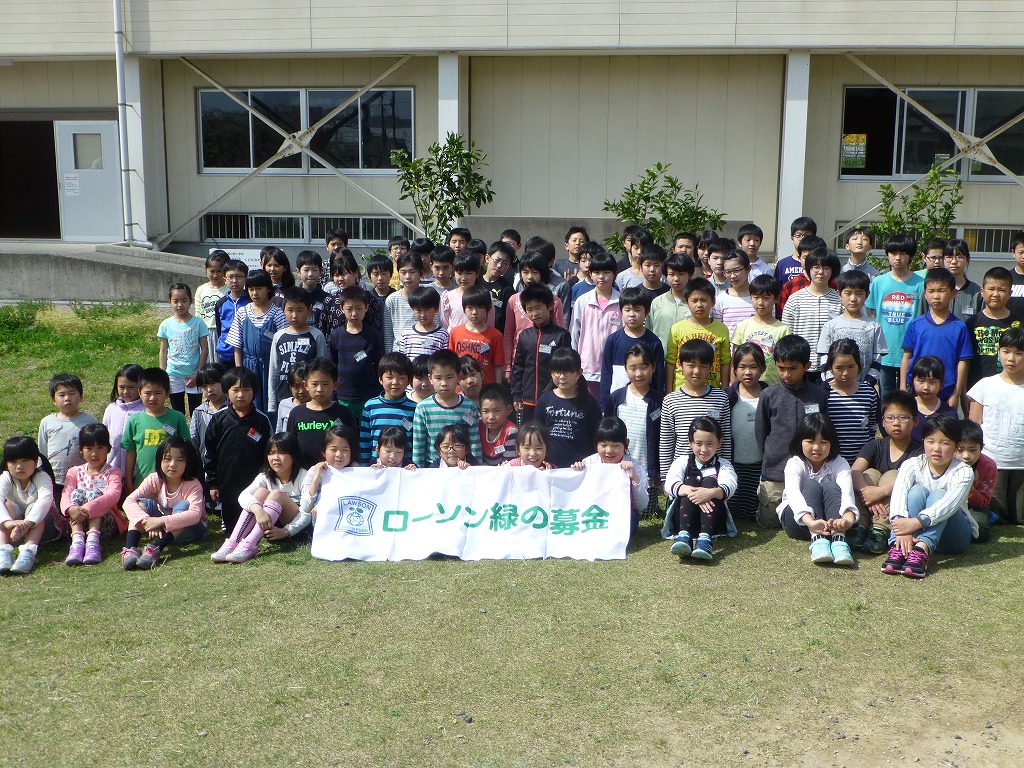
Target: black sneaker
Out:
[916,566]
[856,536]
[876,543]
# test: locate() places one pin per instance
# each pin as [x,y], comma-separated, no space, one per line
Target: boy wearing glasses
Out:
[876,467]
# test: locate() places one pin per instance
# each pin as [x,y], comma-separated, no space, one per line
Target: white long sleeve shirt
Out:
[798,469]
[956,480]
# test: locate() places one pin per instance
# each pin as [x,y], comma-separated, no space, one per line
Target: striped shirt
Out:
[855,418]
[397,317]
[679,409]
[502,447]
[806,314]
[431,416]
[732,310]
[633,413]
[274,316]
[379,412]
[414,343]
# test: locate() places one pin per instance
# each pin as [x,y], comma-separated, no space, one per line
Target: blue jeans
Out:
[888,380]
[185,535]
[950,536]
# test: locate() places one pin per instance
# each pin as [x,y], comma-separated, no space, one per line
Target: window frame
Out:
[306,168]
[969,96]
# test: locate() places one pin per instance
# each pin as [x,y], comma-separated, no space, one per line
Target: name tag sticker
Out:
[499,450]
[714,413]
[545,349]
[656,413]
[406,424]
[615,320]
[254,435]
[708,472]
[499,304]
[469,419]
[170,430]
[864,422]
[485,348]
[360,356]
[968,310]
[751,416]
[810,408]
[318,306]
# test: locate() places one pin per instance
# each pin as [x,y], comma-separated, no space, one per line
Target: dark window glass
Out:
[337,141]
[869,132]
[924,142]
[284,108]
[386,125]
[995,108]
[225,131]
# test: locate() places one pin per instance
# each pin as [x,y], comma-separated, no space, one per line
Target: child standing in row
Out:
[700,298]
[567,411]
[478,339]
[763,328]
[253,328]
[426,335]
[446,406]
[497,433]
[309,420]
[58,432]
[595,317]
[398,314]
[733,305]
[634,303]
[987,326]
[145,431]
[894,300]
[638,405]
[748,367]
[531,373]
[393,407]
[612,441]
[854,287]
[208,379]
[670,307]
[184,348]
[926,379]
[124,403]
[210,293]
[852,404]
[298,344]
[227,307]
[356,350]
[808,309]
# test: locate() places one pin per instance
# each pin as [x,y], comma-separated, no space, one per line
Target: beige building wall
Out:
[564,134]
[189,190]
[198,27]
[827,198]
[58,85]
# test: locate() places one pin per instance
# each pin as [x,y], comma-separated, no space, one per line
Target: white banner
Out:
[480,513]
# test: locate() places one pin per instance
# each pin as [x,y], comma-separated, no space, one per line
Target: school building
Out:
[776,108]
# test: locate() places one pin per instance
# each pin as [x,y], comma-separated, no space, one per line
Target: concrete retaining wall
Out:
[60,272]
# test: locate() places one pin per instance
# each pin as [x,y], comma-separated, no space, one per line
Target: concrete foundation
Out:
[64,272]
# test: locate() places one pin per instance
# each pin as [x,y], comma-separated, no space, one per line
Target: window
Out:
[359,138]
[299,229]
[884,136]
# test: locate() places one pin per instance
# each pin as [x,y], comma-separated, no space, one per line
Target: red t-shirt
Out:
[487,348]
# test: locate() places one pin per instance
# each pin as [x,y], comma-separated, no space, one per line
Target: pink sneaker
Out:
[243,553]
[150,558]
[77,552]
[221,555]
[129,557]
[93,552]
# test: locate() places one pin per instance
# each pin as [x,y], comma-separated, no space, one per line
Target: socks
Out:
[33,548]
[838,537]
[92,535]
[78,537]
[273,509]
[246,522]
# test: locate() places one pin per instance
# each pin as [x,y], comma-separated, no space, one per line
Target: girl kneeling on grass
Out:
[167,505]
[928,507]
[817,500]
[26,503]
[270,505]
[531,447]
[699,484]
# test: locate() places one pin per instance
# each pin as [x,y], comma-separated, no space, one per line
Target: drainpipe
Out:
[122,131]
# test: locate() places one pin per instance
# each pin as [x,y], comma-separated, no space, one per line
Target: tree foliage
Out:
[444,185]
[660,204]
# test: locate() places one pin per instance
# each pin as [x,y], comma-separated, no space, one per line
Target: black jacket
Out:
[236,447]
[530,372]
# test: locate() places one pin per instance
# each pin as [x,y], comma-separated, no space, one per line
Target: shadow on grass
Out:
[1007,543]
[749,535]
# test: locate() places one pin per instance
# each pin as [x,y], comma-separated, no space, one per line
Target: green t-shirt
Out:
[144,433]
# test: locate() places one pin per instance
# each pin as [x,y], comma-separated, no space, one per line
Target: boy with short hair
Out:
[875,468]
[144,431]
[686,244]
[397,313]
[933,254]
[670,307]
[393,407]
[810,308]
[717,251]
[763,329]
[514,239]
[1016,302]
[790,266]
[420,387]
[297,344]
[467,272]
[700,298]
[499,259]
[497,433]
[426,335]
[749,237]
[476,338]
[594,318]
[335,241]
[235,273]
[859,242]
[966,295]
[939,333]
[445,406]
[854,286]
[733,305]
[208,294]
[584,284]
[638,243]
[797,282]
[458,239]
[355,349]
[780,410]
[380,271]
[695,397]
[651,262]
[58,432]
[634,304]
[997,404]
[988,325]
[309,421]
[530,372]
[442,268]
[575,239]
[309,267]
[979,500]
[894,300]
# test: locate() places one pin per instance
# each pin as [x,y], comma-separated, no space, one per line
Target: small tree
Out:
[659,203]
[929,212]
[444,185]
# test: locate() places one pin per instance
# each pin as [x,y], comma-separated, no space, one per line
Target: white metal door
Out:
[89,181]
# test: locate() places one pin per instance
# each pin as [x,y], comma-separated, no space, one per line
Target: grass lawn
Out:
[757,659]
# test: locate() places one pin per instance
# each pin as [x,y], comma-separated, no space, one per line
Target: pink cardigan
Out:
[108,482]
[153,488]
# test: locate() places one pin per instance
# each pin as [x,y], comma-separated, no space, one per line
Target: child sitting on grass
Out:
[928,509]
[92,493]
[699,485]
[979,500]
[26,504]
